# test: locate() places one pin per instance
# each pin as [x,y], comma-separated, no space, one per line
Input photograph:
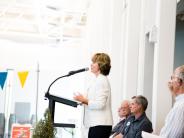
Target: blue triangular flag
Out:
[3,76]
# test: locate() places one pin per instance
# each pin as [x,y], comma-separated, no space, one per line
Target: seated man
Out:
[138,121]
[174,123]
[123,112]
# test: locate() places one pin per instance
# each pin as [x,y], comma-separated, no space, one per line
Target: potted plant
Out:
[44,128]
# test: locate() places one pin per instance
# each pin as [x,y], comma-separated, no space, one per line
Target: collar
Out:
[123,118]
[179,97]
[140,117]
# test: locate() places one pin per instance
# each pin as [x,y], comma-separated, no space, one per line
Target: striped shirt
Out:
[174,123]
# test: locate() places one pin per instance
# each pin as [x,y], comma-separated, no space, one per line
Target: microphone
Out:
[78,71]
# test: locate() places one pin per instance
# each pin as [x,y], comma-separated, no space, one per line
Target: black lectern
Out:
[53,99]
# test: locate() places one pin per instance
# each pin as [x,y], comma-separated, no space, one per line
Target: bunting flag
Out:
[23,77]
[3,76]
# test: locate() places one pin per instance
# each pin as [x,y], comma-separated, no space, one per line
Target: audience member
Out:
[123,112]
[138,121]
[174,123]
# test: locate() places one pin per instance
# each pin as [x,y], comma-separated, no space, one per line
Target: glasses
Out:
[176,77]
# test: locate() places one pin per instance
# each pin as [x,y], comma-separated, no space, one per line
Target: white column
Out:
[163,61]
[146,53]
[147,21]
[117,53]
[146,73]
[131,50]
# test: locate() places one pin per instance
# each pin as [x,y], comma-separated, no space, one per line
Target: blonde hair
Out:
[103,61]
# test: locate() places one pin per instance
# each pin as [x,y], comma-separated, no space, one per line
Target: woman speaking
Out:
[97,99]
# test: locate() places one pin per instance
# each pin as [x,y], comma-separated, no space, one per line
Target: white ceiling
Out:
[35,20]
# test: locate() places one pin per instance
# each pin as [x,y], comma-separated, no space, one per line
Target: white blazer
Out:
[98,111]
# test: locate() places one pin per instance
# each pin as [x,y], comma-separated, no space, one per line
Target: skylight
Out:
[61,20]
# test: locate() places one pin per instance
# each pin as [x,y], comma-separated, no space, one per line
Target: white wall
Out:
[146,51]
[164,59]
[117,54]
[131,48]
[98,26]
[159,15]
[144,19]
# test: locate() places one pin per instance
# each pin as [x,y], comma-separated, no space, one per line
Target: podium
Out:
[52,100]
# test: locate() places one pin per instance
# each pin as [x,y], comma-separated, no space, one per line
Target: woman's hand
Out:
[79,97]
[118,136]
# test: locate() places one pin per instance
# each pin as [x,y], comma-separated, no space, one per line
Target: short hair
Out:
[133,97]
[180,75]
[141,100]
[103,61]
[126,102]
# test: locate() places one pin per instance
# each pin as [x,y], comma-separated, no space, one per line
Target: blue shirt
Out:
[117,128]
[133,127]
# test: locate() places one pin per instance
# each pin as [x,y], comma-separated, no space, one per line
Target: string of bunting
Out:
[21,75]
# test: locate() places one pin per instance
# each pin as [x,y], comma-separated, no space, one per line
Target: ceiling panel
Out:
[52,19]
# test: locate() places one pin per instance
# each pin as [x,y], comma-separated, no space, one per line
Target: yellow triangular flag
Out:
[22,77]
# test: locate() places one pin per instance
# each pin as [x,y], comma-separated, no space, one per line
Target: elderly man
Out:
[138,121]
[174,123]
[123,112]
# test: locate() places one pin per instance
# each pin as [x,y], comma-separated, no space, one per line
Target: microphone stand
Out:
[47,93]
[53,99]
